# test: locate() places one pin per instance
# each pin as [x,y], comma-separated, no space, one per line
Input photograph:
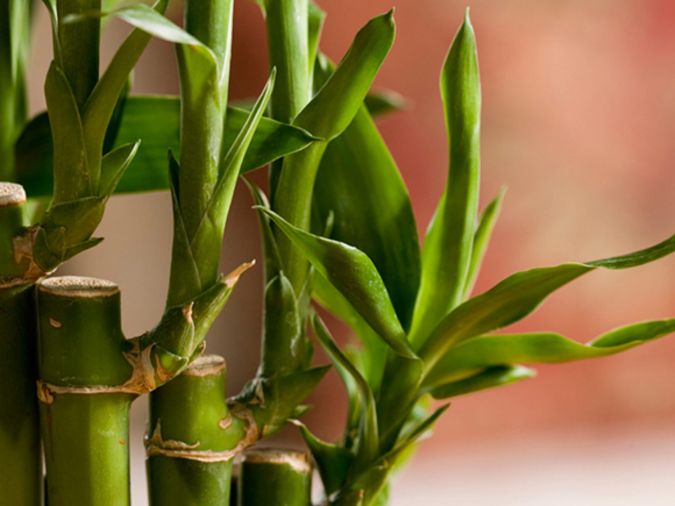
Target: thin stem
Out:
[85,431]
[274,478]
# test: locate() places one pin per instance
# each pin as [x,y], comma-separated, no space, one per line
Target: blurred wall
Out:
[578,122]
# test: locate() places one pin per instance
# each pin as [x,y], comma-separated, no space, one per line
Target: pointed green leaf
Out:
[447,247]
[517,296]
[336,103]
[114,164]
[368,439]
[333,461]
[270,249]
[489,378]
[315,19]
[381,102]
[373,356]
[100,106]
[374,215]
[482,239]
[540,347]
[282,329]
[71,170]
[353,274]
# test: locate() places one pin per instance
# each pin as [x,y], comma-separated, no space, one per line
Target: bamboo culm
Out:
[84,414]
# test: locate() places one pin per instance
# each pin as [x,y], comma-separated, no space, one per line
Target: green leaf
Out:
[383,102]
[283,332]
[72,178]
[270,249]
[152,22]
[540,348]
[114,164]
[374,353]
[333,461]
[368,439]
[102,102]
[315,19]
[517,296]
[489,378]
[374,215]
[332,109]
[482,239]
[353,274]
[447,248]
[156,120]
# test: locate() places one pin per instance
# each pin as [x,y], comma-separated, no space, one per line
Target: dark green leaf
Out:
[489,378]
[155,120]
[447,248]
[374,215]
[315,19]
[114,164]
[353,274]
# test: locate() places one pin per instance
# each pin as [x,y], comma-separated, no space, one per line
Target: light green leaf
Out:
[489,378]
[381,102]
[517,296]
[336,103]
[315,19]
[368,440]
[482,239]
[540,348]
[447,247]
[353,274]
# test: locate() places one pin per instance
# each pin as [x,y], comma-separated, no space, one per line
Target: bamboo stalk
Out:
[193,438]
[21,476]
[79,46]
[275,477]
[84,415]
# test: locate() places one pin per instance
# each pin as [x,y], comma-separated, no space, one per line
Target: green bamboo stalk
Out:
[275,477]
[203,115]
[21,476]
[78,51]
[193,438]
[287,22]
[83,411]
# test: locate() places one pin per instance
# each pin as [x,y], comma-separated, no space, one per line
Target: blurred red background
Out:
[578,122]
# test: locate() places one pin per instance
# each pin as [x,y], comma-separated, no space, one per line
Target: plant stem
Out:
[203,113]
[79,46]
[21,476]
[85,429]
[192,435]
[288,52]
[275,478]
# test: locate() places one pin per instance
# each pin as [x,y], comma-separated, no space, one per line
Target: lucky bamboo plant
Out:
[337,228]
